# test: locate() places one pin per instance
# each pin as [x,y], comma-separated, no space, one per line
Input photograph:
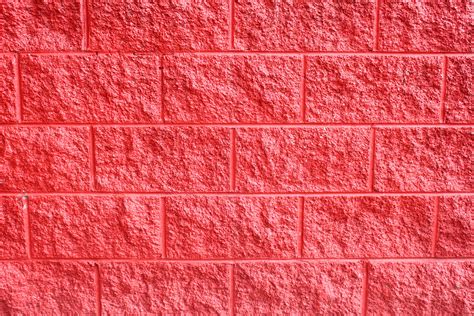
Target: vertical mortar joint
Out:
[231,23]
[303,89]
[371,179]
[164,232]
[98,289]
[92,154]
[85,24]
[18,88]
[365,288]
[27,223]
[444,73]
[231,270]
[435,226]
[300,241]
[233,159]
[376,25]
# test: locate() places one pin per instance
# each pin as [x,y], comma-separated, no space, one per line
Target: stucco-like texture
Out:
[236,157]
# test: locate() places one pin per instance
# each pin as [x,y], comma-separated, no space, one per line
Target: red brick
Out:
[221,89]
[34,288]
[163,159]
[302,159]
[40,25]
[304,25]
[425,26]
[12,231]
[7,89]
[232,227]
[432,288]
[460,90]
[353,89]
[350,227]
[455,227]
[298,287]
[44,159]
[156,288]
[162,25]
[91,88]
[95,227]
[423,159]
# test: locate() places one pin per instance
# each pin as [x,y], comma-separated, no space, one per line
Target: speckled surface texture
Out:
[236,157]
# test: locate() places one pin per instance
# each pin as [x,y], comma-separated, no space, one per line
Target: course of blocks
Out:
[236,157]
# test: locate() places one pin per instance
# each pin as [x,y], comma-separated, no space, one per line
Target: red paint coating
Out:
[424,159]
[91,88]
[47,288]
[95,227]
[162,158]
[456,225]
[302,159]
[282,288]
[140,288]
[425,26]
[13,243]
[27,25]
[304,25]
[7,89]
[158,25]
[236,157]
[214,227]
[368,227]
[44,159]
[240,89]
[401,288]
[460,90]
[360,89]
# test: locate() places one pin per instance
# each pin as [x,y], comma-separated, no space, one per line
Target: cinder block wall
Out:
[236,157]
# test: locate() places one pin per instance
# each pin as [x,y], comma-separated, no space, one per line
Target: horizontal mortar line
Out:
[320,53]
[239,125]
[236,194]
[249,260]
[244,52]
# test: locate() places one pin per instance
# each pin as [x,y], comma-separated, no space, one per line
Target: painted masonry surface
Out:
[236,157]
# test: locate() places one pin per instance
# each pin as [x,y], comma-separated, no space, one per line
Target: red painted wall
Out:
[236,157]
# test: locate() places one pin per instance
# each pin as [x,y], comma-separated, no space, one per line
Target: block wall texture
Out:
[236,157]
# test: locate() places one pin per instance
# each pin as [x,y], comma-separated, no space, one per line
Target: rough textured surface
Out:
[304,25]
[163,159]
[425,25]
[353,227]
[232,89]
[297,159]
[12,231]
[7,89]
[44,159]
[40,25]
[373,89]
[36,288]
[171,288]
[307,288]
[95,227]
[455,227]
[460,90]
[434,288]
[91,88]
[234,227]
[236,157]
[160,25]
[424,159]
